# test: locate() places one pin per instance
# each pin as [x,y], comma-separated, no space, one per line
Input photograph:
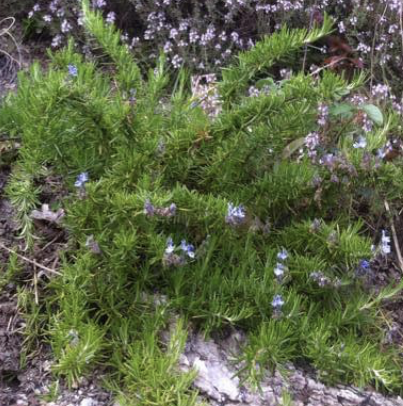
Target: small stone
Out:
[87,402]
[350,397]
[297,382]
[313,385]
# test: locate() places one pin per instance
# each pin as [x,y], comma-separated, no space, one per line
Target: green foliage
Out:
[118,290]
[9,272]
[152,375]
[268,51]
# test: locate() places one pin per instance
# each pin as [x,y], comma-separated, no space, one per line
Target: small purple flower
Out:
[56,41]
[323,114]
[278,302]
[188,249]
[170,248]
[360,143]
[235,215]
[364,264]
[176,61]
[93,245]
[110,18]
[364,267]
[381,153]
[149,209]
[366,123]
[66,26]
[312,140]
[73,71]
[82,178]
[279,270]
[319,278]
[282,255]
[172,209]
[328,160]
[380,91]
[98,3]
[385,243]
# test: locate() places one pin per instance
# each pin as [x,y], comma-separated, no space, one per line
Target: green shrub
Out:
[198,211]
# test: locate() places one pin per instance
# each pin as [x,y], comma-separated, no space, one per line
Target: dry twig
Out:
[394,236]
[30,261]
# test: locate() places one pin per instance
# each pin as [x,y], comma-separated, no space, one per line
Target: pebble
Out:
[87,402]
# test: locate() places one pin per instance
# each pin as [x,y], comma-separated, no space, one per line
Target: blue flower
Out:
[279,270]
[277,302]
[282,255]
[82,178]
[188,249]
[73,71]
[235,215]
[149,209]
[172,210]
[385,243]
[360,143]
[363,268]
[170,248]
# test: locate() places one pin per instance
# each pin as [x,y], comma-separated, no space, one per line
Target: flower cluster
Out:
[323,114]
[205,94]
[281,269]
[235,215]
[380,91]
[324,281]
[73,71]
[150,210]
[385,244]
[360,143]
[363,268]
[82,179]
[390,146]
[312,141]
[80,182]
[92,245]
[277,305]
[255,92]
[62,18]
[171,256]
[338,166]
[205,35]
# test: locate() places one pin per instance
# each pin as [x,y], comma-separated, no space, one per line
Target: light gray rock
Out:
[88,402]
[215,379]
[218,383]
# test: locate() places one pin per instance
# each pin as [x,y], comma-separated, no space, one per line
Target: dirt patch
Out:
[10,340]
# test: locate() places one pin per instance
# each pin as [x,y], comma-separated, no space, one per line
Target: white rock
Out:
[87,402]
[216,380]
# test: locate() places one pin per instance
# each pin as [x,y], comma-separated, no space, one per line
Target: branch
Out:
[394,236]
[30,261]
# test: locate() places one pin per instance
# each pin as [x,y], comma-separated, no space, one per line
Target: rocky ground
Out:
[219,385]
